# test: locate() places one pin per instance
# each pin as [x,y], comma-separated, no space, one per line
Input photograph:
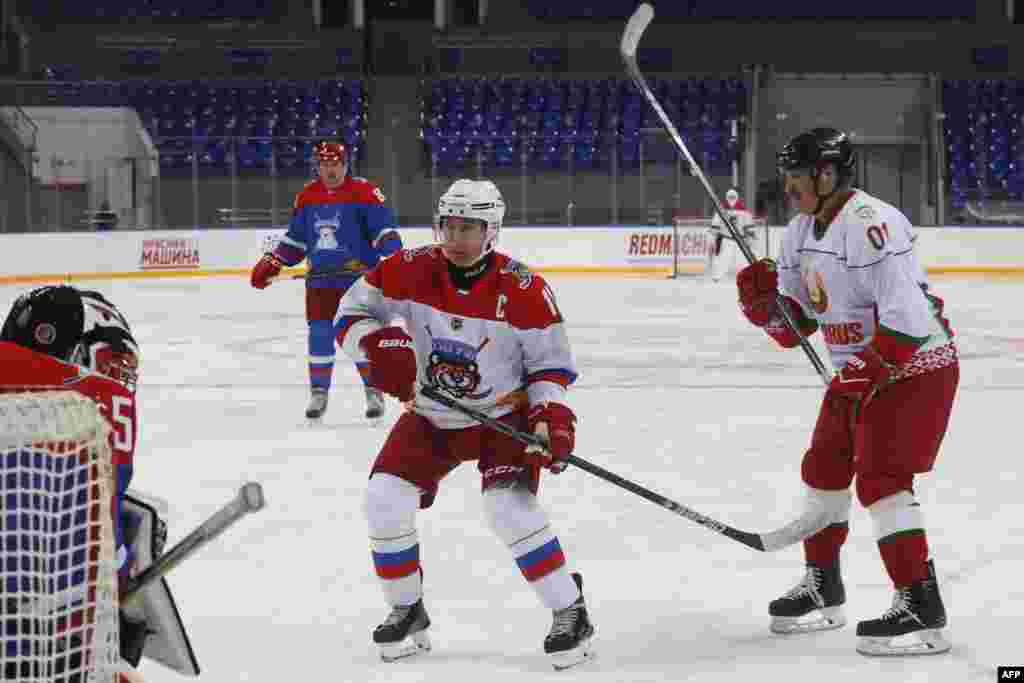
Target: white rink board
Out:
[640,248]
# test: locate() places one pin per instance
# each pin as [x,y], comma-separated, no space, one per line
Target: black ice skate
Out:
[912,626]
[403,633]
[815,604]
[568,643]
[317,404]
[374,403]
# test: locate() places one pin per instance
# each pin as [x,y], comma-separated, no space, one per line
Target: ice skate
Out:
[403,633]
[912,626]
[568,643]
[317,404]
[374,404]
[815,604]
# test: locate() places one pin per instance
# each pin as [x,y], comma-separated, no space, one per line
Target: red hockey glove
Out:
[556,425]
[392,362]
[265,270]
[862,377]
[758,286]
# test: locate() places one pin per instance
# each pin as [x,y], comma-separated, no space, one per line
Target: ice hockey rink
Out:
[676,391]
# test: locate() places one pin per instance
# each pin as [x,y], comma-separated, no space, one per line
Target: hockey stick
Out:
[635,28]
[793,532]
[328,274]
[322,276]
[249,499]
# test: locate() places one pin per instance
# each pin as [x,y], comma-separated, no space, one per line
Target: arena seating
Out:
[756,9]
[984,139]
[550,124]
[58,11]
[215,121]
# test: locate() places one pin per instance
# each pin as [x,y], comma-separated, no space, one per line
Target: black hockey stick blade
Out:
[749,539]
[248,499]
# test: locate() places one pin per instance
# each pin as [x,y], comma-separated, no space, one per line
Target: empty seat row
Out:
[983,131]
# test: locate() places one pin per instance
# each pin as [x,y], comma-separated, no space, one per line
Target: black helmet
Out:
[816,147]
[75,326]
[49,320]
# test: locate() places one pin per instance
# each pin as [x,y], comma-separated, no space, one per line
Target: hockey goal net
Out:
[58,577]
[693,243]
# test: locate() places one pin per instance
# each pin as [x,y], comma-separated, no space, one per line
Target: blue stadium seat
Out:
[561,114]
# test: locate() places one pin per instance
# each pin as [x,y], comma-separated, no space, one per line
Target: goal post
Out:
[692,243]
[58,573]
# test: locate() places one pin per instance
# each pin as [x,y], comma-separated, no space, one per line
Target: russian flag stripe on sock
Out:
[397,565]
[538,563]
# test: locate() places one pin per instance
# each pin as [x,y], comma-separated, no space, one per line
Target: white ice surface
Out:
[676,391]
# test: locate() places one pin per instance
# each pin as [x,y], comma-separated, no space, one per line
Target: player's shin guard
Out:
[321,353]
[391,505]
[516,518]
[899,528]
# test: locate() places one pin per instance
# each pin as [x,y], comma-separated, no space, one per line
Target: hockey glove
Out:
[392,362]
[862,377]
[758,285]
[265,270]
[555,424]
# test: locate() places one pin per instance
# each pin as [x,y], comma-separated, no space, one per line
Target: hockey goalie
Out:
[723,250]
[73,537]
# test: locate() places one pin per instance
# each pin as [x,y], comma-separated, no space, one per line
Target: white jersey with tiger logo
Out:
[860,275]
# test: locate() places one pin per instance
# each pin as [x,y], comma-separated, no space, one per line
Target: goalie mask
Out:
[473,201]
[75,326]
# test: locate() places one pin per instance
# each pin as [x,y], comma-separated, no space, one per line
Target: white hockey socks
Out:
[518,520]
[391,505]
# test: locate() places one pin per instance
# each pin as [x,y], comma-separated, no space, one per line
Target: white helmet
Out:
[476,199]
[731,197]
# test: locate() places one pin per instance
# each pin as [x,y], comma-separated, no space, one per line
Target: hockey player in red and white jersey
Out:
[847,268]
[61,337]
[724,250]
[486,331]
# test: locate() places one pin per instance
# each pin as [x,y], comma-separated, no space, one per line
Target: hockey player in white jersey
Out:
[847,268]
[486,331]
[722,256]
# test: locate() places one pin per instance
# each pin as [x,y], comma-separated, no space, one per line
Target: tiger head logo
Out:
[453,368]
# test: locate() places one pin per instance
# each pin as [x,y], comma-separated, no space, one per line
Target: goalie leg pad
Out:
[166,640]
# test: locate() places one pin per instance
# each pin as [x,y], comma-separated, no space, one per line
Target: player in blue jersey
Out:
[342,226]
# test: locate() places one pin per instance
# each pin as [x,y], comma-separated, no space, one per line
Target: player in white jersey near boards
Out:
[487,332]
[847,268]
[722,256]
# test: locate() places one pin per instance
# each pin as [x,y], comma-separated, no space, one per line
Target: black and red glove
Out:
[862,376]
[758,285]
[554,424]
[392,362]
[265,270]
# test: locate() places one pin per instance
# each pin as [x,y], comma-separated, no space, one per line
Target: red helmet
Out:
[331,151]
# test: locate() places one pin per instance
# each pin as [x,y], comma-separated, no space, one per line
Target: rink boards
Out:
[626,250]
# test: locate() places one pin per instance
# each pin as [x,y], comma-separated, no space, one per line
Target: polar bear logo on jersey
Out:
[326,230]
